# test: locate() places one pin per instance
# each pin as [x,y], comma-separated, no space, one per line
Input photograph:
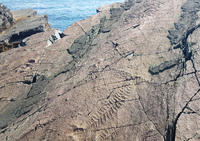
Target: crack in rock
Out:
[178,35]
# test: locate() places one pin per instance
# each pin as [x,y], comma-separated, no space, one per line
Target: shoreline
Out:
[19,33]
[56,15]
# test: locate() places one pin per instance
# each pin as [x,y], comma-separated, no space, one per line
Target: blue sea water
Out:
[61,13]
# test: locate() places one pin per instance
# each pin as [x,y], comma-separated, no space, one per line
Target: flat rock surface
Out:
[130,73]
[24,13]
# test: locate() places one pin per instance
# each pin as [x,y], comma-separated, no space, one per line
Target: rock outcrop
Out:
[27,23]
[128,73]
[6,18]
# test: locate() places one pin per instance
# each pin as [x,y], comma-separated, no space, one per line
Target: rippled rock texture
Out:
[128,73]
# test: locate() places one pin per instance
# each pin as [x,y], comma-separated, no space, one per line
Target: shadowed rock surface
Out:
[128,73]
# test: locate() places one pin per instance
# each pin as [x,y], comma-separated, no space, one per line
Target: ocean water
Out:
[61,13]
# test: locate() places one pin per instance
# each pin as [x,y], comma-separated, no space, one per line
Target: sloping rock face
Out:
[129,73]
[27,23]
